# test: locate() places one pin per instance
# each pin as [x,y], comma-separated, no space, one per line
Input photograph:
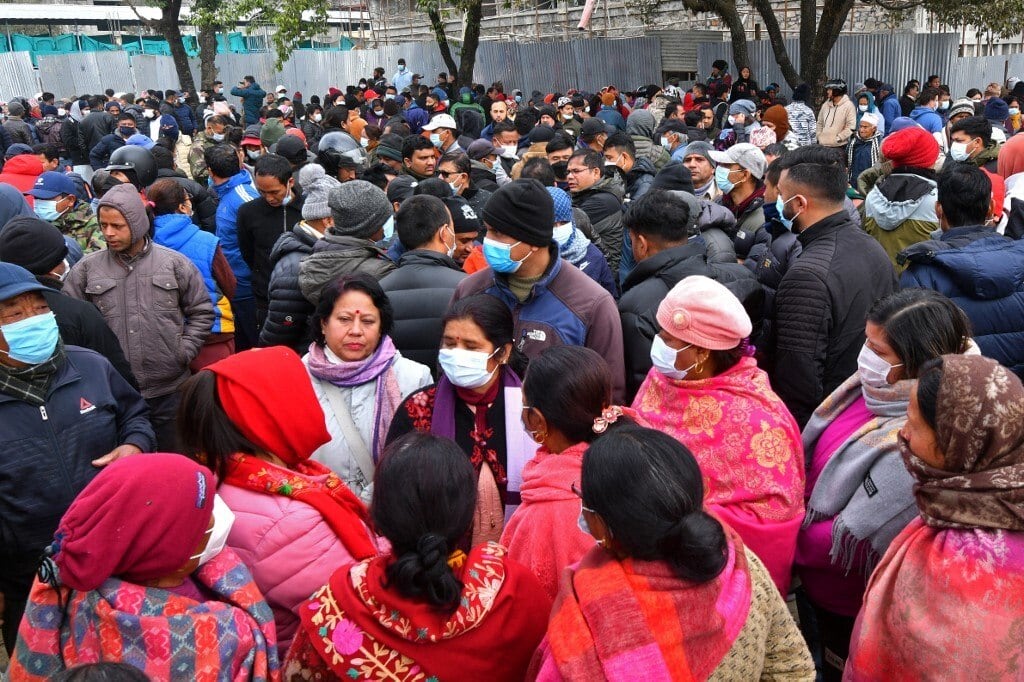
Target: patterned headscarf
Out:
[979,418]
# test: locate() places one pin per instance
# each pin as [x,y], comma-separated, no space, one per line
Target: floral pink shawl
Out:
[748,447]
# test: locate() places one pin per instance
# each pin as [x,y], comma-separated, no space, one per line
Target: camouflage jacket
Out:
[196,160]
[81,225]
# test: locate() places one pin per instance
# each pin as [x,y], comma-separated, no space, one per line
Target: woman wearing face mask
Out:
[172,208]
[358,376]
[1015,121]
[310,125]
[706,390]
[477,404]
[690,601]
[139,573]
[296,520]
[574,246]
[425,610]
[567,396]
[865,104]
[945,601]
[858,492]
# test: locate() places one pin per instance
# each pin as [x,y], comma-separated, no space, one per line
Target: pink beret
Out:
[701,311]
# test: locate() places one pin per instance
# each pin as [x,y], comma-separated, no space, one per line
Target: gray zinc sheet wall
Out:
[893,58]
[85,73]
[17,77]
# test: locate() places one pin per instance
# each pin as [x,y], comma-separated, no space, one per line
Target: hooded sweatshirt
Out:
[640,127]
[21,172]
[900,211]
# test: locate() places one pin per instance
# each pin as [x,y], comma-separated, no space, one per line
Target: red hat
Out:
[912,147]
[295,132]
[370,95]
[333,92]
[287,423]
[140,519]
[549,98]
[998,192]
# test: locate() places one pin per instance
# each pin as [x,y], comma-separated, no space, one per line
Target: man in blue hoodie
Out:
[888,104]
[252,98]
[924,113]
[233,185]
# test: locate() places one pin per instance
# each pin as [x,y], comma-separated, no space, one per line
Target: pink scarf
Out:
[940,591]
[748,447]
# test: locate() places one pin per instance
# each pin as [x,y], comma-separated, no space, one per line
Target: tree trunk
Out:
[816,46]
[738,34]
[434,12]
[207,56]
[789,72]
[470,42]
[171,31]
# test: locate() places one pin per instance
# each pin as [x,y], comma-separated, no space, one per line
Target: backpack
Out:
[49,131]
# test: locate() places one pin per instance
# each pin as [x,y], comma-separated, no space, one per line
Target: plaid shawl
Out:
[167,636]
[636,620]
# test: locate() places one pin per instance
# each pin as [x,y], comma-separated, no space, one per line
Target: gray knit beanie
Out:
[316,185]
[359,209]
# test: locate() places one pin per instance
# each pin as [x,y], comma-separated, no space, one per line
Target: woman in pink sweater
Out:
[296,521]
[567,395]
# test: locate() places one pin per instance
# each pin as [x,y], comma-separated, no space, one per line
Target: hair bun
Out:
[697,545]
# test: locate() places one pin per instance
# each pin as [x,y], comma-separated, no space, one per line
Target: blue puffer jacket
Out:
[983,272]
[234,192]
[47,451]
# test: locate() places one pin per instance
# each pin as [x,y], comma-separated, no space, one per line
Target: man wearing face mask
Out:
[838,116]
[40,248]
[58,404]
[443,134]
[403,76]
[261,222]
[740,176]
[824,297]
[212,135]
[419,290]
[57,203]
[600,197]
[567,117]
[972,142]
[483,157]
[552,302]
[99,156]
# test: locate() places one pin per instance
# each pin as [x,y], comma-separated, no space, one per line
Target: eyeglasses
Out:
[448,174]
[577,171]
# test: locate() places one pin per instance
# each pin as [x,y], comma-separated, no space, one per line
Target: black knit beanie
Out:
[674,176]
[523,210]
[34,244]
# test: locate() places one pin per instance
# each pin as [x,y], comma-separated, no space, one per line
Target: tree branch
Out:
[775,37]
[437,23]
[148,23]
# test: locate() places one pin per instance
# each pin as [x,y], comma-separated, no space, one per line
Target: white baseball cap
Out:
[441,121]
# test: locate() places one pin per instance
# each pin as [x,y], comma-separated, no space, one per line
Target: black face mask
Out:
[560,169]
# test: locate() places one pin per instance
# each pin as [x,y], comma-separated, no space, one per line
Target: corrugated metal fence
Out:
[894,59]
[17,77]
[588,64]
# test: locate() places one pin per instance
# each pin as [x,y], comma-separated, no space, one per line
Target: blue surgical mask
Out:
[780,206]
[401,68]
[217,137]
[287,198]
[519,98]
[722,179]
[435,140]
[499,256]
[46,209]
[389,229]
[33,339]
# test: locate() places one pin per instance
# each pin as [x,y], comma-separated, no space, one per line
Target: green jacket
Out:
[81,225]
[197,158]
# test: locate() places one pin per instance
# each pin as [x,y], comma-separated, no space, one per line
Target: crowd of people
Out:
[413,382]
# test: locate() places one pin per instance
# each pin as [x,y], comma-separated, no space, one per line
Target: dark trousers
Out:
[247,331]
[163,416]
[16,575]
[828,637]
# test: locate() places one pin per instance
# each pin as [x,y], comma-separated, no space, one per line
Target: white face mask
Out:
[252,154]
[663,357]
[873,369]
[862,107]
[317,117]
[149,113]
[466,368]
[958,151]
[562,233]
[62,112]
[223,519]
[665,142]
[509,151]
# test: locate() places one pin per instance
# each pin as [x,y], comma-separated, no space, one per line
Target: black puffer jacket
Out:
[204,202]
[603,205]
[288,312]
[420,290]
[652,279]
[820,308]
